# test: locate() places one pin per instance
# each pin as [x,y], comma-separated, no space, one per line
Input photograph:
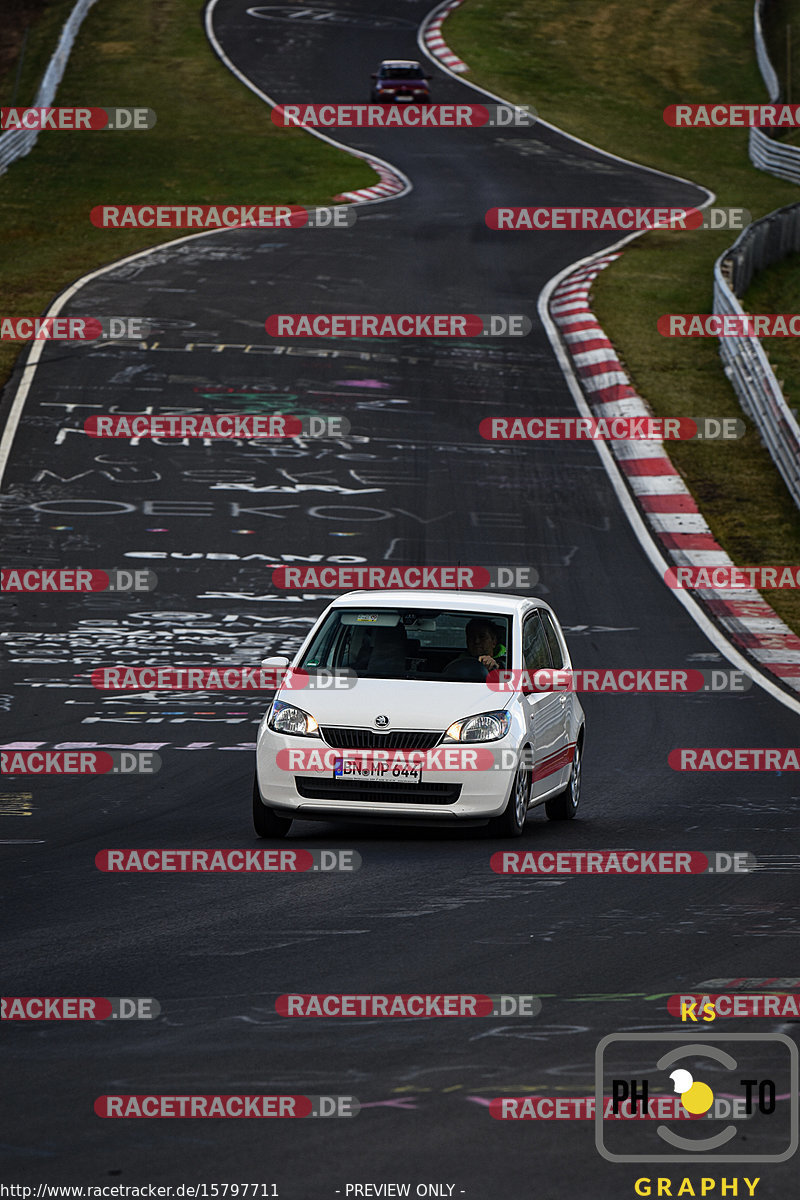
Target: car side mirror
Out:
[373,75]
[276,662]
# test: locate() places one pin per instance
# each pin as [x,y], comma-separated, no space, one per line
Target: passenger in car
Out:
[390,648]
[359,649]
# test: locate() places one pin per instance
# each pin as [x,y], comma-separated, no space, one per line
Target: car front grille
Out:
[347,738]
[376,792]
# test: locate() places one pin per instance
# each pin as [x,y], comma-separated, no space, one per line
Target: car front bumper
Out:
[442,796]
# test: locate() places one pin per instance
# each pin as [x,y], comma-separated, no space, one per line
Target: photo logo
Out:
[722,1080]
[689,1011]
[696,1098]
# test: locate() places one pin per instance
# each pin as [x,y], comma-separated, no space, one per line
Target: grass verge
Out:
[605,72]
[213,142]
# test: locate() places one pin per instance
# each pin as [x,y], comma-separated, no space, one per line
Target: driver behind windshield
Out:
[485,652]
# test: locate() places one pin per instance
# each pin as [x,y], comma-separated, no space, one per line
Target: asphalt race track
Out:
[412,483]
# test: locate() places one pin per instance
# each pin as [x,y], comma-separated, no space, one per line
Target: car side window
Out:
[535,651]
[552,639]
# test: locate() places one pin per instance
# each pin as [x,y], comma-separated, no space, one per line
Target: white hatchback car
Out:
[418,663]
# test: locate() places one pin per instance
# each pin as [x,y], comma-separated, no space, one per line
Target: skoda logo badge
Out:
[382,721]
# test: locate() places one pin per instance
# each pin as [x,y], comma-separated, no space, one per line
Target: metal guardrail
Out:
[763,243]
[768,73]
[768,155]
[19,142]
[765,152]
[746,365]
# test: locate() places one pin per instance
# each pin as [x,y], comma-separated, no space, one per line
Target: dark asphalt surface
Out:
[414,483]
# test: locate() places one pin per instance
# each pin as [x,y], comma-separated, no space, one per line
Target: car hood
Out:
[408,703]
[389,81]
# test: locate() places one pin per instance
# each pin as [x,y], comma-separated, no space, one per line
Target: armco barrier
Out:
[746,365]
[765,152]
[19,142]
[765,65]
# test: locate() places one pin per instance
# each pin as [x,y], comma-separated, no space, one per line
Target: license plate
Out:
[349,768]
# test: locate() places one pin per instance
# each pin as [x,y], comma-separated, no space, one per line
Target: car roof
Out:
[499,602]
[399,62]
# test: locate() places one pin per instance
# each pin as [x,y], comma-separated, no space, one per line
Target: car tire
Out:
[266,822]
[511,823]
[564,806]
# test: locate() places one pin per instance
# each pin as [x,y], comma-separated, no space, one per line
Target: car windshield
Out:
[404,643]
[402,73]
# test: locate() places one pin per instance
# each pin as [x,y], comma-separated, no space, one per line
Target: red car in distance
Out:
[400,81]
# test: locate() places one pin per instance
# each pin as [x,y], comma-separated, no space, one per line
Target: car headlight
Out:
[285,718]
[485,727]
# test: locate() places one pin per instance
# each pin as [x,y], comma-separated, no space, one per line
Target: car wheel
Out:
[266,821]
[512,821]
[564,806]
